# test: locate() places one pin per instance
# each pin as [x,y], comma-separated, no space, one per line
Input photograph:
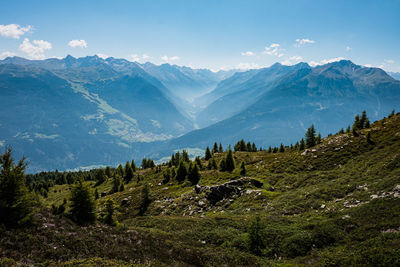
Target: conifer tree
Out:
[318,139]
[242,169]
[83,206]
[16,203]
[120,170]
[310,137]
[144,163]
[281,148]
[248,147]
[182,171]
[100,176]
[133,166]
[222,165]
[253,147]
[229,161]
[220,148]
[302,144]
[341,131]
[269,149]
[207,155]
[108,172]
[145,200]
[198,162]
[185,156]
[128,174]
[256,236]
[348,129]
[194,174]
[96,194]
[215,148]
[110,208]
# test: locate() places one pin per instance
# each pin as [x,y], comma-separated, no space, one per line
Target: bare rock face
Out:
[219,192]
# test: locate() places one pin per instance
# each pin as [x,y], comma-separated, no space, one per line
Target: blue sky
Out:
[212,34]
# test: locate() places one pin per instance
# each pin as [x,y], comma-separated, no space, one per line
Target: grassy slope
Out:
[334,205]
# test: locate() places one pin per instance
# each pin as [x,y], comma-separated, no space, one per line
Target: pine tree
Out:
[108,172]
[256,236]
[128,174]
[341,131]
[83,206]
[194,174]
[182,171]
[310,137]
[220,148]
[145,200]
[110,208]
[208,155]
[348,129]
[248,147]
[116,183]
[302,144]
[242,169]
[100,177]
[229,161]
[222,165]
[269,149]
[198,162]
[215,148]
[185,156]
[253,147]
[144,163]
[17,205]
[318,139]
[281,148]
[133,166]
[120,170]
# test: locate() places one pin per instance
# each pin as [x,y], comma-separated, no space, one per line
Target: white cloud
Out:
[168,59]
[77,43]
[5,54]
[389,61]
[292,60]
[368,65]
[13,30]
[325,61]
[247,53]
[137,58]
[36,49]
[103,56]
[247,66]
[274,50]
[348,48]
[300,42]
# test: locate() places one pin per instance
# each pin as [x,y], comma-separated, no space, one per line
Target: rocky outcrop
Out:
[219,192]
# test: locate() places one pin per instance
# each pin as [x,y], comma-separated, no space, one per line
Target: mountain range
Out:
[83,112]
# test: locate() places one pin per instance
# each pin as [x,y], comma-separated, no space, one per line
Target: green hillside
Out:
[334,204]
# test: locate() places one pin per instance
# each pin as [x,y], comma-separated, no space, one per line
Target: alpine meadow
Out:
[199,133]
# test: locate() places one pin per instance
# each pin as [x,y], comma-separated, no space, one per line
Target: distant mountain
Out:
[79,112]
[241,91]
[395,75]
[185,82]
[327,96]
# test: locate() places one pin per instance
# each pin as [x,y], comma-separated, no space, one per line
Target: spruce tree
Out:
[83,206]
[281,148]
[269,149]
[318,139]
[110,208]
[182,171]
[242,169]
[194,174]
[198,162]
[144,163]
[256,236]
[145,200]
[229,161]
[302,144]
[207,155]
[108,172]
[120,170]
[310,137]
[222,165]
[100,176]
[16,203]
[185,156]
[215,148]
[128,174]
[133,166]
[253,147]
[220,148]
